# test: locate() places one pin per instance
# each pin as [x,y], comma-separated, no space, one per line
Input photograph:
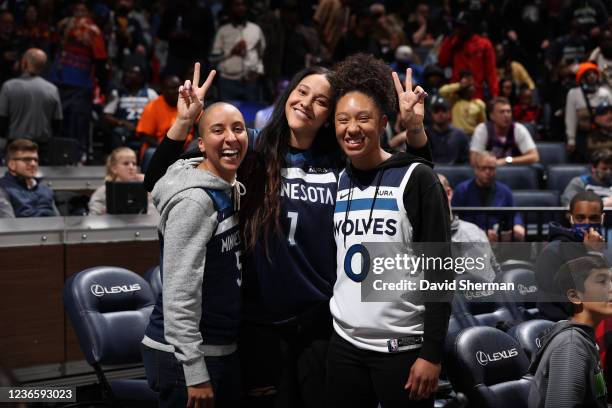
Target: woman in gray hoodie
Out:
[189,348]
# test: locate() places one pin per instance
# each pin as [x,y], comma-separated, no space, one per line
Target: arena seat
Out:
[489,366]
[536,198]
[526,333]
[518,177]
[109,308]
[509,264]
[153,276]
[526,290]
[487,308]
[551,153]
[455,174]
[560,175]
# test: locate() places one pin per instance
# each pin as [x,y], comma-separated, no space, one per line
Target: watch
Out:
[509,159]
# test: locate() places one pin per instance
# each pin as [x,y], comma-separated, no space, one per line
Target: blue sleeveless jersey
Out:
[221,316]
[298,271]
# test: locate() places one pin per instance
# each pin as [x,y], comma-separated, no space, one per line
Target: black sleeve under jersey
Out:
[167,152]
[423,152]
[427,209]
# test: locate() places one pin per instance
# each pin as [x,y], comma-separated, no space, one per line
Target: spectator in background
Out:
[467,110]
[238,52]
[526,111]
[509,141]
[602,57]
[579,108]
[21,193]
[484,191]
[463,231]
[465,50]
[388,32]
[81,54]
[599,180]
[189,29]
[421,29]
[405,58]
[433,79]
[568,51]
[359,38]
[449,145]
[601,135]
[507,90]
[332,18]
[32,32]
[126,104]
[590,15]
[514,70]
[120,166]
[9,47]
[30,106]
[586,218]
[158,116]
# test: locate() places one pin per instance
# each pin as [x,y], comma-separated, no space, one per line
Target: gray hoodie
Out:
[566,369]
[188,222]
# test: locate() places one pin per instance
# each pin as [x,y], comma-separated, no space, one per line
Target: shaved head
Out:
[34,61]
[213,112]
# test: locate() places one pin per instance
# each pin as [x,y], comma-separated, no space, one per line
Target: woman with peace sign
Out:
[383,350]
[286,217]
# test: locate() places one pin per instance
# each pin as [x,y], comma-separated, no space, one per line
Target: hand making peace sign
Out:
[191,95]
[411,102]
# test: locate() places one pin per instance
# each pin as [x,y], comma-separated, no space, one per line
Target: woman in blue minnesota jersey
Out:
[385,352]
[287,220]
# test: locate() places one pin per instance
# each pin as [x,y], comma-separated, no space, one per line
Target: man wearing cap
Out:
[404,58]
[580,106]
[465,50]
[449,145]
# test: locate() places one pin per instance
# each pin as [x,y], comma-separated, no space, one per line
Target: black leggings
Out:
[363,378]
[290,358]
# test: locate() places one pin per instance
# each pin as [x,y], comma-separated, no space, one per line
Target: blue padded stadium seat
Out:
[153,276]
[527,333]
[109,308]
[455,174]
[489,367]
[536,198]
[551,153]
[560,175]
[518,177]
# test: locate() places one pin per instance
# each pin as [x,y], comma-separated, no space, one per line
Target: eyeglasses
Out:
[486,168]
[26,159]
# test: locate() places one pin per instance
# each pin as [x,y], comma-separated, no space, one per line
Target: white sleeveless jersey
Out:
[372,325]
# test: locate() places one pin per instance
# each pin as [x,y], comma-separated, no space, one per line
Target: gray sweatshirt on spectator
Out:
[188,222]
[567,372]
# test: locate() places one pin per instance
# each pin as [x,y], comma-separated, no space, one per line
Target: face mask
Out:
[580,229]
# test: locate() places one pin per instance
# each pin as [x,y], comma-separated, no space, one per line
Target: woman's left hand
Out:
[411,102]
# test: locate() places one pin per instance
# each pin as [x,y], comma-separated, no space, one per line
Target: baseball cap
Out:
[603,108]
[439,102]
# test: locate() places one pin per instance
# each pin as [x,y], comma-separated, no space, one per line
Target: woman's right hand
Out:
[191,96]
[200,396]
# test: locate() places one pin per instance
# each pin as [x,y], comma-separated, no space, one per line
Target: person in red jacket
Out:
[465,50]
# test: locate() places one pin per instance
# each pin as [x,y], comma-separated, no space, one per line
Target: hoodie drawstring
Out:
[350,199]
[348,206]
[238,190]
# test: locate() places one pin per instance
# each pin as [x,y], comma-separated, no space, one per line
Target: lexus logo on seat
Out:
[99,290]
[484,358]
